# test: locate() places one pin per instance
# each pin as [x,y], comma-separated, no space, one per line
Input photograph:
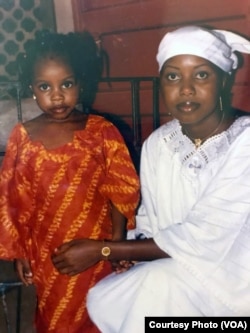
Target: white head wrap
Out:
[217,46]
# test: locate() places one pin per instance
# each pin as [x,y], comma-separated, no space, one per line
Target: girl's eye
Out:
[202,75]
[68,84]
[44,87]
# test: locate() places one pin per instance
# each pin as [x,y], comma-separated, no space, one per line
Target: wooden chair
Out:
[6,287]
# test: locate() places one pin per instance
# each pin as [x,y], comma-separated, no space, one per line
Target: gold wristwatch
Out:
[105,251]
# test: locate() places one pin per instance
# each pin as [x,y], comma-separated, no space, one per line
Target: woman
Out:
[195,209]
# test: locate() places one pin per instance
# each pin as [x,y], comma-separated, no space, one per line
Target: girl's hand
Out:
[24,271]
[76,256]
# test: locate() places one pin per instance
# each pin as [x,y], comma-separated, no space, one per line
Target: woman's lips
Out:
[187,106]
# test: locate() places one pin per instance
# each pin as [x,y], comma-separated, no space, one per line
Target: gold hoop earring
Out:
[221,104]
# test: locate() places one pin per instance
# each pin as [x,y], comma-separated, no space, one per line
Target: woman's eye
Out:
[67,84]
[44,87]
[172,76]
[202,75]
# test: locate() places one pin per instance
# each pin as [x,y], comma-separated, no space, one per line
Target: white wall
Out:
[64,16]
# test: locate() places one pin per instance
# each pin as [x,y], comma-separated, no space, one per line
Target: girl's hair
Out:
[78,50]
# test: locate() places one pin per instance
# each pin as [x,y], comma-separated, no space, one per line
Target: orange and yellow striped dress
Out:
[48,197]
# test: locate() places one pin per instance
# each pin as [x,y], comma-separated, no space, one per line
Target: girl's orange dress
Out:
[48,197]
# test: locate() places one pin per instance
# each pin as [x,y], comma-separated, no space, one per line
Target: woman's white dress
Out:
[196,206]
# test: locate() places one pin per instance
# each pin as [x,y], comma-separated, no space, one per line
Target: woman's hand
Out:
[76,256]
[24,271]
[122,265]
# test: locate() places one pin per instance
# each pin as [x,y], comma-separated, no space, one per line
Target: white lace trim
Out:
[210,150]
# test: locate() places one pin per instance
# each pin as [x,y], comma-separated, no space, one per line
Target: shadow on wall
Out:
[126,132]
[9,118]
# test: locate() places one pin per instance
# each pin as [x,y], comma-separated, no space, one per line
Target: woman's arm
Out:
[135,250]
[78,255]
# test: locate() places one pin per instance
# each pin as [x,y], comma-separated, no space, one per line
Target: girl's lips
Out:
[59,109]
[187,106]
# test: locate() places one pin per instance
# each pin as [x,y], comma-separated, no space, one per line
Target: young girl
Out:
[65,176]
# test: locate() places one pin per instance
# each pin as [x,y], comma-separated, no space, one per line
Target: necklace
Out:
[198,142]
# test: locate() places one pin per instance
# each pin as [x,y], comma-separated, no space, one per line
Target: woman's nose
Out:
[187,87]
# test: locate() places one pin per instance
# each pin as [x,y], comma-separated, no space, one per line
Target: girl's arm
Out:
[119,233]
[24,271]
[119,223]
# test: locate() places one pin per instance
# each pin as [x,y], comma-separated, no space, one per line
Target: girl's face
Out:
[55,88]
[191,87]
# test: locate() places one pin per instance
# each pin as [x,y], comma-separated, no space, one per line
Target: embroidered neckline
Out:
[210,150]
[199,141]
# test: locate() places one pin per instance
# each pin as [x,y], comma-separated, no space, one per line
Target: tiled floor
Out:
[27,305]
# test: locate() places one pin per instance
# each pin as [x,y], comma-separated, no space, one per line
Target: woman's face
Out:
[191,87]
[55,88]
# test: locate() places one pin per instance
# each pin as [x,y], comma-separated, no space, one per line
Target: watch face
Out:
[106,251]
